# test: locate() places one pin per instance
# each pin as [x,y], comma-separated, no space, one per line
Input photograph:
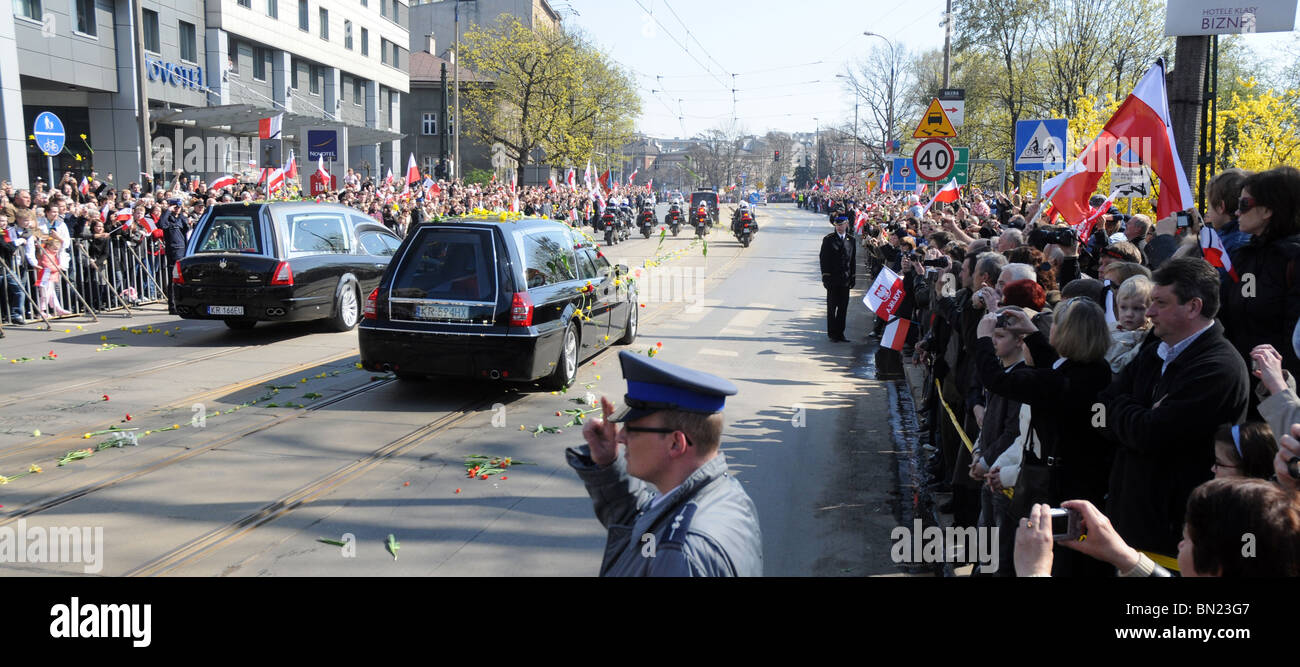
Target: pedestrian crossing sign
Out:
[934,123]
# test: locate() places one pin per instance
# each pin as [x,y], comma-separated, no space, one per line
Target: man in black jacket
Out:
[175,227]
[839,260]
[1165,407]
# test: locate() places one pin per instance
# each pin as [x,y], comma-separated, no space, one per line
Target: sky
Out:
[784,55]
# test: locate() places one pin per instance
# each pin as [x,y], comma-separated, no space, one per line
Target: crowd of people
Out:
[1120,376]
[101,246]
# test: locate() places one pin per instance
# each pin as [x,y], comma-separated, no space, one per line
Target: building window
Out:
[233,58]
[397,56]
[302,16]
[314,87]
[430,124]
[151,31]
[273,8]
[356,92]
[260,56]
[365,3]
[383,8]
[383,50]
[325,24]
[30,9]
[365,42]
[86,17]
[293,68]
[189,43]
[451,123]
[347,35]
[247,4]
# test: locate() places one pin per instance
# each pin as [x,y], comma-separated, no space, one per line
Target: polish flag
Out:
[291,169]
[11,235]
[650,184]
[275,181]
[605,182]
[514,199]
[225,181]
[570,178]
[123,215]
[388,180]
[412,172]
[1142,120]
[85,186]
[1214,252]
[586,177]
[885,294]
[921,188]
[320,167]
[269,128]
[551,182]
[884,182]
[1084,229]
[895,335]
[859,222]
[427,183]
[632,179]
[948,193]
[147,225]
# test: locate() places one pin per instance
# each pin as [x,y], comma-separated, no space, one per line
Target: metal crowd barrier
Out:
[126,276]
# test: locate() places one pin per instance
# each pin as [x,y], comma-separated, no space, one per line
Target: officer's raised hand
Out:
[602,435]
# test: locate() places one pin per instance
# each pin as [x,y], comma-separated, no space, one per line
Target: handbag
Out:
[1035,475]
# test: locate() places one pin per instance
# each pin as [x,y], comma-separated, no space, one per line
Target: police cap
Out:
[654,386]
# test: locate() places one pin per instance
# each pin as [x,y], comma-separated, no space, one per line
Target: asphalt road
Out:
[251,490]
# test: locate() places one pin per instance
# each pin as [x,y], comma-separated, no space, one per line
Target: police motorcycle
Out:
[646,219]
[700,220]
[743,224]
[673,218]
[626,220]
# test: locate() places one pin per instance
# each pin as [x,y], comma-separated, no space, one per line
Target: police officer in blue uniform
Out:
[701,522]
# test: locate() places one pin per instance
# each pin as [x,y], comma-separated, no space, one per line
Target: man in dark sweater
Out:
[839,261]
[1164,408]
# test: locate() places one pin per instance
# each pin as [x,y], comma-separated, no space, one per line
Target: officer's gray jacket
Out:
[707,527]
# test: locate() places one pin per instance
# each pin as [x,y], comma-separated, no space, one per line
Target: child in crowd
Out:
[1244,450]
[1131,325]
[47,277]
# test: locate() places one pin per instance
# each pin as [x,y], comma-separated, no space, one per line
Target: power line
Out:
[678,43]
[692,36]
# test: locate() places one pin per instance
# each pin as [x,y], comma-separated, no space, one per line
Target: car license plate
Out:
[225,310]
[442,312]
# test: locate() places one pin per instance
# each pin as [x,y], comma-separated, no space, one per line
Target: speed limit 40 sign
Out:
[933,160]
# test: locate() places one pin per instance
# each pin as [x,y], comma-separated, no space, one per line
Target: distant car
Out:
[710,198]
[517,301]
[281,262]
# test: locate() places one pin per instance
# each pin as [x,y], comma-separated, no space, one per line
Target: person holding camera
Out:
[175,226]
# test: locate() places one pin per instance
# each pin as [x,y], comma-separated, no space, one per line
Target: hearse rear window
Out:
[231,233]
[447,264]
[316,233]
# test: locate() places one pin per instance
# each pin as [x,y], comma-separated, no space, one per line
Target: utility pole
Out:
[142,94]
[442,140]
[947,43]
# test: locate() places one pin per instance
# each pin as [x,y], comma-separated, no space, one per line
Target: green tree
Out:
[548,89]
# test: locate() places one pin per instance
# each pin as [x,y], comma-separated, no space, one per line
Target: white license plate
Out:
[442,312]
[225,310]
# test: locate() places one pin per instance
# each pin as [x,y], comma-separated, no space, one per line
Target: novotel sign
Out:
[185,76]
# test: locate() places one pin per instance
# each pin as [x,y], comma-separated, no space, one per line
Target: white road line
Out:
[792,358]
[719,353]
[747,319]
[736,332]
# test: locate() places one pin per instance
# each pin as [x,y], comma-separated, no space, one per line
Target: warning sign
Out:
[934,123]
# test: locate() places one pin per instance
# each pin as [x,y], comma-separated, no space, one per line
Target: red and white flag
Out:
[1084,229]
[551,182]
[291,169]
[85,186]
[949,193]
[123,215]
[412,172]
[921,188]
[586,177]
[859,222]
[895,335]
[275,181]
[269,128]
[44,276]
[320,166]
[885,294]
[570,178]
[1214,252]
[11,234]
[632,179]
[884,182]
[388,180]
[514,199]
[1142,121]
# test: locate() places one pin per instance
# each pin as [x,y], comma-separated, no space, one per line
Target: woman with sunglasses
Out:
[1263,308]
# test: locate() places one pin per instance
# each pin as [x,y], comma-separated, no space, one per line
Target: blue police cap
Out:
[654,385]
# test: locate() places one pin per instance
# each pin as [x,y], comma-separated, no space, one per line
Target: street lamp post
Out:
[857,92]
[889,106]
[817,145]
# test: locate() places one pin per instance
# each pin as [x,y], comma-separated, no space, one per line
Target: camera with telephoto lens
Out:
[938,262]
[1061,236]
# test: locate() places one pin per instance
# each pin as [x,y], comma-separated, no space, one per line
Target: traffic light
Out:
[776,156]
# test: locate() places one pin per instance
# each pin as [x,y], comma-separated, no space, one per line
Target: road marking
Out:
[792,358]
[719,353]
[747,319]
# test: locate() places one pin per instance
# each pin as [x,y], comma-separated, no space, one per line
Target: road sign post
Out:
[902,177]
[48,130]
[933,160]
[1040,144]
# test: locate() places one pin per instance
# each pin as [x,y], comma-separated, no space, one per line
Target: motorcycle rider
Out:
[740,211]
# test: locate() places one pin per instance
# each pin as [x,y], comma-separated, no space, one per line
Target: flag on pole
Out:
[1214,252]
[570,179]
[320,167]
[223,182]
[948,193]
[860,222]
[275,181]
[650,184]
[886,293]
[884,182]
[632,179]
[586,177]
[551,183]
[85,186]
[605,181]
[427,183]
[291,168]
[895,335]
[123,215]
[1084,229]
[412,172]
[1142,120]
[921,188]
[388,180]
[269,128]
